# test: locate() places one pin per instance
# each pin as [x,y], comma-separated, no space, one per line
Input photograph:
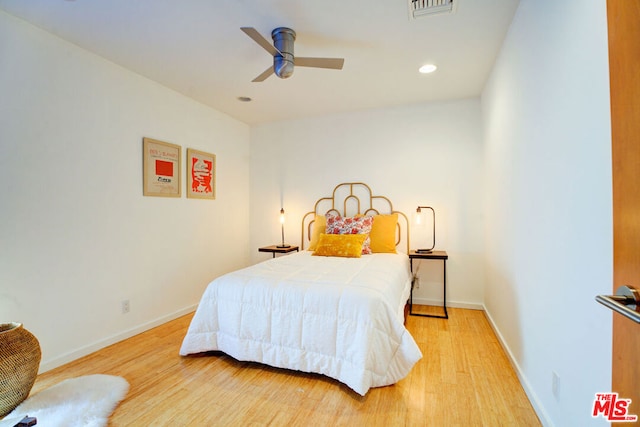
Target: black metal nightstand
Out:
[430,255]
[274,249]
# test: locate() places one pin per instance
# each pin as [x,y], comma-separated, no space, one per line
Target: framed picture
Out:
[161,168]
[201,174]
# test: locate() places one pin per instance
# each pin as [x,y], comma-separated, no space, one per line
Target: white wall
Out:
[429,154]
[548,203]
[76,235]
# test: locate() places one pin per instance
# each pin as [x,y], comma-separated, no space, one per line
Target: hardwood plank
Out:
[464,378]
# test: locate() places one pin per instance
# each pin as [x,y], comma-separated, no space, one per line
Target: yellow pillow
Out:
[342,245]
[383,233]
[319,227]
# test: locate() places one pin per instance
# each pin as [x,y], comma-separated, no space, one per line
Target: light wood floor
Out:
[464,379]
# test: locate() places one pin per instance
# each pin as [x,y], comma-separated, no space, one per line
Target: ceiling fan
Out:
[282,52]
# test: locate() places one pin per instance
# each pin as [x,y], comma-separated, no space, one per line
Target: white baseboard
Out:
[533,398]
[454,304]
[48,365]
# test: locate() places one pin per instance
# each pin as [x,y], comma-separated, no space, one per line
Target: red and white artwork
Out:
[201,174]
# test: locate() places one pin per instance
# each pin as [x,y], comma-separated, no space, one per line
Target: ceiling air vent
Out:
[422,8]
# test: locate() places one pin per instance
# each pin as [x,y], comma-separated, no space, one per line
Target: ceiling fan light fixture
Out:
[283,39]
[428,68]
[282,52]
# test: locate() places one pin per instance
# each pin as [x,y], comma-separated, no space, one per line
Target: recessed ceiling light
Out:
[427,68]
[244,99]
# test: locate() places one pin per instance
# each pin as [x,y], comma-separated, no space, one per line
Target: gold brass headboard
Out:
[354,198]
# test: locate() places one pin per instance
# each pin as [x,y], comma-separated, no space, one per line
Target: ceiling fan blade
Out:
[332,63]
[262,77]
[257,37]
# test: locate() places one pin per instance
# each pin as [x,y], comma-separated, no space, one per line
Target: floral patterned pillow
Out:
[337,224]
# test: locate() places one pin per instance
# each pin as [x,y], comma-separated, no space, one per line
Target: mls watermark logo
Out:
[612,408]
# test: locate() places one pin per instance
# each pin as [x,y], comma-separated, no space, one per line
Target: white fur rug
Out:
[86,401]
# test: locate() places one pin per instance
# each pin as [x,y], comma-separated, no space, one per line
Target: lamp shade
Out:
[283,244]
[419,221]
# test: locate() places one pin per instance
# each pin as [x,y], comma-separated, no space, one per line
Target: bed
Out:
[337,315]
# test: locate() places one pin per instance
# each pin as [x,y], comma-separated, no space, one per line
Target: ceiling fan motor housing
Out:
[283,39]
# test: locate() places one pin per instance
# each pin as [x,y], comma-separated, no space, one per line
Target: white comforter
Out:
[341,317]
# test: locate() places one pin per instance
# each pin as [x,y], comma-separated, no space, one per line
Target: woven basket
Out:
[19,362]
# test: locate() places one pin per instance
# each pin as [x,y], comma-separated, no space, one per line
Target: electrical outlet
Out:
[555,385]
[126,307]
[416,282]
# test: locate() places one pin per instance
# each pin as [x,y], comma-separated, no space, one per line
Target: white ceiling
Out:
[196,48]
